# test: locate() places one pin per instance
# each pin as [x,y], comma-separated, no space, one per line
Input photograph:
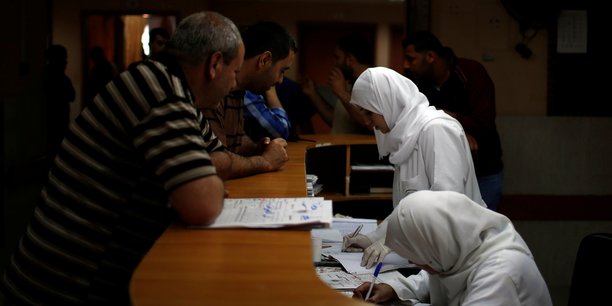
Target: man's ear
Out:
[350,60]
[264,59]
[215,65]
[430,56]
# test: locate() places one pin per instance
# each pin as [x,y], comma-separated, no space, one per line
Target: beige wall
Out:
[483,28]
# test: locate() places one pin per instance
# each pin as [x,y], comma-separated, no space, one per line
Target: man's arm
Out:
[275,115]
[199,202]
[481,95]
[323,108]
[339,87]
[247,147]
[230,165]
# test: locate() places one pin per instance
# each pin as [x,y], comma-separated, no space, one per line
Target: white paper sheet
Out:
[352,262]
[274,213]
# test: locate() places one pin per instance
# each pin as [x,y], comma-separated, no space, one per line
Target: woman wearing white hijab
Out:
[469,255]
[428,148]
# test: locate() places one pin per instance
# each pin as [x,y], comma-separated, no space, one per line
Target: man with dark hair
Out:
[157,41]
[270,51]
[134,160]
[463,89]
[158,37]
[353,55]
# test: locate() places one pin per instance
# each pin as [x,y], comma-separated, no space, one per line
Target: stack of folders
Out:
[312,187]
[304,212]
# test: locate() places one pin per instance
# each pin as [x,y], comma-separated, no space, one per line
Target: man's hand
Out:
[473,143]
[380,292]
[374,253]
[275,153]
[308,87]
[337,82]
[355,244]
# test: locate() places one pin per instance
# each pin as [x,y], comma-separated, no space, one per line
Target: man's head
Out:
[157,40]
[209,48]
[96,54]
[269,52]
[57,56]
[353,51]
[421,50]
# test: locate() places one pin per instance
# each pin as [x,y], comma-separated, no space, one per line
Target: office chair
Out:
[591,279]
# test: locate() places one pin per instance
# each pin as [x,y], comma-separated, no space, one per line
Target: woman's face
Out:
[376,121]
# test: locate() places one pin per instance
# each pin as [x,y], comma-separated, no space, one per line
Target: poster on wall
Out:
[572,32]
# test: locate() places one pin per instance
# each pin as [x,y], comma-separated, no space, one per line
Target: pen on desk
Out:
[357,230]
[376,271]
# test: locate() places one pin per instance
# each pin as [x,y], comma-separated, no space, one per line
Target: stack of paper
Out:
[310,212]
[312,187]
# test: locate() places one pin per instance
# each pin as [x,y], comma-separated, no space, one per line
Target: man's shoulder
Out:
[463,63]
[468,69]
[233,102]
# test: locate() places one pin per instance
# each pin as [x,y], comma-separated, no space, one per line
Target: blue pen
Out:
[376,271]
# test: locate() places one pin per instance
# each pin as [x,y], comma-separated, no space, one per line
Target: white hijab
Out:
[406,110]
[452,234]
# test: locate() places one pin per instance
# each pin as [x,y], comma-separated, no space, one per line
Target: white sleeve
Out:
[507,278]
[379,233]
[414,288]
[446,157]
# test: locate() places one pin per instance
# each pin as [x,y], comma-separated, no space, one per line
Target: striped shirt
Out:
[106,199]
[226,120]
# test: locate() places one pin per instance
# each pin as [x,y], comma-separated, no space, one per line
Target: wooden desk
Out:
[239,266]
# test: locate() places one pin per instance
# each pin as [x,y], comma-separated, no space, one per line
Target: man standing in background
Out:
[353,55]
[157,41]
[59,93]
[463,89]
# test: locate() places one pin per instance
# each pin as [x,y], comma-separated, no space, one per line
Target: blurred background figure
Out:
[353,54]
[59,93]
[102,71]
[157,41]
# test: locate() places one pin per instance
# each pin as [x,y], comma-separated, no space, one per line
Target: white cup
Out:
[317,244]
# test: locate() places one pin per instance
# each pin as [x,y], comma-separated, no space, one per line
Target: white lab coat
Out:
[481,258]
[505,278]
[428,148]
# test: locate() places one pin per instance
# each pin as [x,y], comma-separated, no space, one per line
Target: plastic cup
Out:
[317,244]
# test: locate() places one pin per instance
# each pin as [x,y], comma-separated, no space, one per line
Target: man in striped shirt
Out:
[136,159]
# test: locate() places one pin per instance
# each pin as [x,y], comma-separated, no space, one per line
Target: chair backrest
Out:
[592,276]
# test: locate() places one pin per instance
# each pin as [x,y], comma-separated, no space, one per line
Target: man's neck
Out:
[441,73]
[248,69]
[358,69]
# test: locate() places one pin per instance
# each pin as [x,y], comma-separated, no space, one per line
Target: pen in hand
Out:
[357,230]
[376,271]
[345,241]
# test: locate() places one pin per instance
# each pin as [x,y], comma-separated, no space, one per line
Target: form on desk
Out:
[274,213]
[332,246]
